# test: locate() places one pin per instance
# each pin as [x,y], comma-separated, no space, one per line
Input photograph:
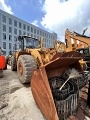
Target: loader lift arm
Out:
[84,40]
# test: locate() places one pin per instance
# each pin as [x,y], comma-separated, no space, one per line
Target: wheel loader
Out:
[30,55]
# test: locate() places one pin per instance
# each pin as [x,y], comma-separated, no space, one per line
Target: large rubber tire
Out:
[13,64]
[26,63]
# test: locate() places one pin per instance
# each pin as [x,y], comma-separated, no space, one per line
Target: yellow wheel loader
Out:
[31,55]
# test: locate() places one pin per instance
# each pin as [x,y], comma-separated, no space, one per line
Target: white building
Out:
[11,27]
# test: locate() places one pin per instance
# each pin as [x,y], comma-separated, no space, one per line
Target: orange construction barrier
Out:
[2,62]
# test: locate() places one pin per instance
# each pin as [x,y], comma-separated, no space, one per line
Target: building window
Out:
[24,33]
[4,19]
[20,25]
[15,31]
[43,34]
[15,38]
[38,32]
[10,29]
[4,36]
[45,45]
[15,47]
[10,46]
[15,23]
[31,29]
[4,28]
[28,28]
[24,26]
[38,37]
[47,35]
[34,36]
[34,31]
[20,32]
[4,45]
[10,37]
[10,21]
[27,34]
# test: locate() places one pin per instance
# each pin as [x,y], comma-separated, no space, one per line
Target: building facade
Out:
[11,27]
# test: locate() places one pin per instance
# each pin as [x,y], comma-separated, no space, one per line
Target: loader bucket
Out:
[40,86]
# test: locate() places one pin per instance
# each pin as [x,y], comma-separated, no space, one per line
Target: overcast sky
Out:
[52,15]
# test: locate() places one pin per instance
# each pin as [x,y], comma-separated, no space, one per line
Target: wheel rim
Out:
[20,69]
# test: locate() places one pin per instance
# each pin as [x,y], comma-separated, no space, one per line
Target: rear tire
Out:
[25,66]
[13,64]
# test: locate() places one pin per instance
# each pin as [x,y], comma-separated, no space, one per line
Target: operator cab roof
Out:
[25,36]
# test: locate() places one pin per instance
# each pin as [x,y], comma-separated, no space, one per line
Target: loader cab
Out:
[24,42]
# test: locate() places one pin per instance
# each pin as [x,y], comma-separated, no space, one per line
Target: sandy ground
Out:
[16,100]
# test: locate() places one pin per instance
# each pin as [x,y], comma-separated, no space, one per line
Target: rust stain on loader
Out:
[42,94]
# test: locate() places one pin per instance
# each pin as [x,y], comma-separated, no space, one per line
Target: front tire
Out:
[25,66]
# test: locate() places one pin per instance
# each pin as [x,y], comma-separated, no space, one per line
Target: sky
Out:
[52,15]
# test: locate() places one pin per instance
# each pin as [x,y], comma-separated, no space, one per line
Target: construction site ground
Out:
[16,100]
